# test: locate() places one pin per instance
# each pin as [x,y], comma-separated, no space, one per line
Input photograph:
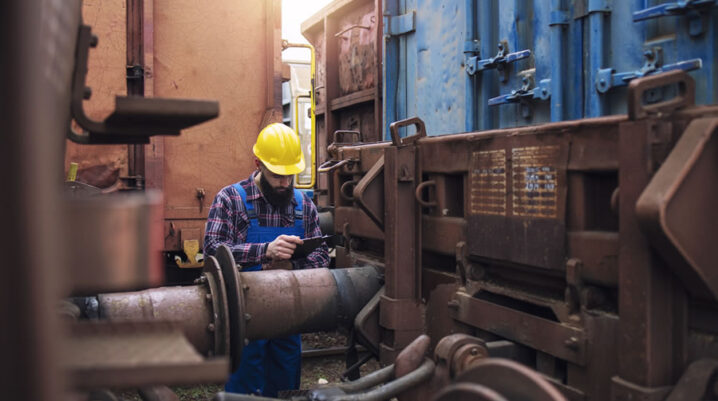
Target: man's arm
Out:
[227,224]
[320,256]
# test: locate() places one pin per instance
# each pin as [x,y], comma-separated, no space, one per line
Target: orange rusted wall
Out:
[223,50]
[101,165]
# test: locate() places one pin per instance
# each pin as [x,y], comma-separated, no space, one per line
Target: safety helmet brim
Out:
[282,169]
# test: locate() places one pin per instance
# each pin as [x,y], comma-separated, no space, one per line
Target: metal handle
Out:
[420,188]
[347,190]
[330,165]
[637,88]
[344,132]
[394,129]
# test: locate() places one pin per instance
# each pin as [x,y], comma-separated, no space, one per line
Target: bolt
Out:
[208,297]
[210,327]
[474,351]
[247,316]
[94,41]
[87,93]
[246,341]
[202,279]
[571,343]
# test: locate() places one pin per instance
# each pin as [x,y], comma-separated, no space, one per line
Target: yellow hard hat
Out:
[278,147]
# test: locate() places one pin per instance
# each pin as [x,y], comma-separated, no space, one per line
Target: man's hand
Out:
[283,247]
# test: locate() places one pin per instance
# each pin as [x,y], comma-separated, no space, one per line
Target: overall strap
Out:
[251,213]
[298,210]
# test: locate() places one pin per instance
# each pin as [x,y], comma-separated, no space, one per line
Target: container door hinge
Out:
[500,62]
[396,25]
[524,94]
[607,78]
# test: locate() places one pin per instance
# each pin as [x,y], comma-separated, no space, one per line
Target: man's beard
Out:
[276,197]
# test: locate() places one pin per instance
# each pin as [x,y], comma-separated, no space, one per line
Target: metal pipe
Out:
[273,303]
[394,388]
[306,300]
[372,379]
[557,66]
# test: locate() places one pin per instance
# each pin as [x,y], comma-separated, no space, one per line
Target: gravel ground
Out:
[314,370]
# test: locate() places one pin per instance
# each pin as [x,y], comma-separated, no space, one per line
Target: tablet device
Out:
[309,245]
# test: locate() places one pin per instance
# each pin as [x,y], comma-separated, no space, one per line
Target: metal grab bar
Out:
[330,165]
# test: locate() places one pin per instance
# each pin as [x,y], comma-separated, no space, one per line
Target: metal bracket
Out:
[607,78]
[694,9]
[191,250]
[524,94]
[135,118]
[500,62]
[399,24]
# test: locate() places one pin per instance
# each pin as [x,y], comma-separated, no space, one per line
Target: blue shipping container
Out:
[470,65]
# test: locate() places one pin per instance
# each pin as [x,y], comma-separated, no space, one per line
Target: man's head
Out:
[279,158]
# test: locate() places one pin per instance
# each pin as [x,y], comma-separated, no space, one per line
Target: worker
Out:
[262,219]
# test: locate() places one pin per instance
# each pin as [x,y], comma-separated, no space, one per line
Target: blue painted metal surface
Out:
[570,59]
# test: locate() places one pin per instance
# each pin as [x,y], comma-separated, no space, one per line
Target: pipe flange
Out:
[235,302]
[459,351]
[219,307]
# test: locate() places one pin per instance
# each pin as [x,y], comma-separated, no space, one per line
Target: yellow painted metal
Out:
[191,249]
[72,172]
[286,45]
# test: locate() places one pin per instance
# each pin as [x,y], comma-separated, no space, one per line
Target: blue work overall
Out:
[268,366]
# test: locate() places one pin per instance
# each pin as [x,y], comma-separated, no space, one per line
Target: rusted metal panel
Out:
[213,61]
[557,339]
[101,166]
[680,224]
[516,188]
[347,37]
[208,62]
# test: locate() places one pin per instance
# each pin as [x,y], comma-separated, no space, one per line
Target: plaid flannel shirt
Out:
[227,223]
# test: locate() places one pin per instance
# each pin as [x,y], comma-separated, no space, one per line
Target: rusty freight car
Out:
[579,247]
[182,50]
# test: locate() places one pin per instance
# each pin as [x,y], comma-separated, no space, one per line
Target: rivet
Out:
[210,327]
[247,316]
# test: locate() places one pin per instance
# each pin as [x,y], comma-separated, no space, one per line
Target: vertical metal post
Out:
[135,77]
[400,311]
[557,60]
[331,84]
[470,45]
[38,41]
[154,155]
[487,80]
[596,102]
[647,296]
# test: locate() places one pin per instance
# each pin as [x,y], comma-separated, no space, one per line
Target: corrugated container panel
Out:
[482,64]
